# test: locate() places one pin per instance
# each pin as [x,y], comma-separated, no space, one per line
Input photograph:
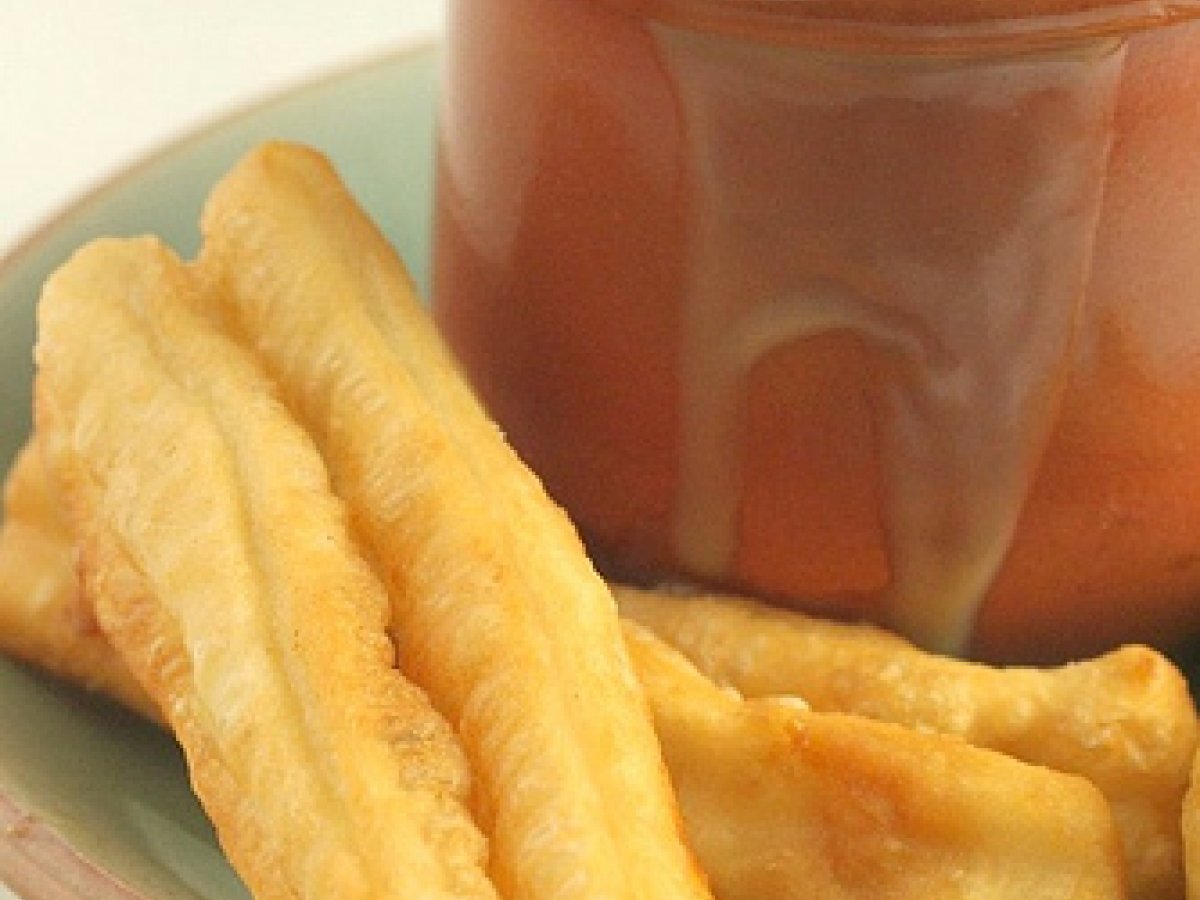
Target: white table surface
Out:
[86,88]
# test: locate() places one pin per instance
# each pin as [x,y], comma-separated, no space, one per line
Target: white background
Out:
[89,86]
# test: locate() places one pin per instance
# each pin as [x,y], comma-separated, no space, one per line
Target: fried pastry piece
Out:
[1124,720]
[1191,833]
[44,619]
[497,611]
[775,812]
[220,566]
[789,804]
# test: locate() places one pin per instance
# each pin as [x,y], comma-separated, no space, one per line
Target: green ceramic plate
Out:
[94,803]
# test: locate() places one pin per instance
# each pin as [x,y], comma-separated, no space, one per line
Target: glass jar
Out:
[881,308]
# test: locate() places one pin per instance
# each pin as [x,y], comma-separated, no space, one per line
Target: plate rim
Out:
[35,857]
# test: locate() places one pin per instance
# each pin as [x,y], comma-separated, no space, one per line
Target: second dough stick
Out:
[1124,720]
[788,804]
[497,610]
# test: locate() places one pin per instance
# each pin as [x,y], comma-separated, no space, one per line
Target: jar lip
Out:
[945,28]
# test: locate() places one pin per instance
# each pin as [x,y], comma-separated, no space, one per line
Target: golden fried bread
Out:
[784,803]
[496,609]
[1191,834]
[1124,720]
[221,567]
[44,619]
[272,470]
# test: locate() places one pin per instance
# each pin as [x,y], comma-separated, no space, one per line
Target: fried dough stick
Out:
[44,619]
[1191,833]
[789,804]
[220,566]
[1124,720]
[786,804]
[497,610]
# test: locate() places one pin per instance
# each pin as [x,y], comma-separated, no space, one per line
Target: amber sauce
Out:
[971,326]
[814,324]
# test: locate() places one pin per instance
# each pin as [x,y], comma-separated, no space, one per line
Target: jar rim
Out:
[946,28]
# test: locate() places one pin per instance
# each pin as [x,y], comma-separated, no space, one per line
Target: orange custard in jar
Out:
[885,310]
